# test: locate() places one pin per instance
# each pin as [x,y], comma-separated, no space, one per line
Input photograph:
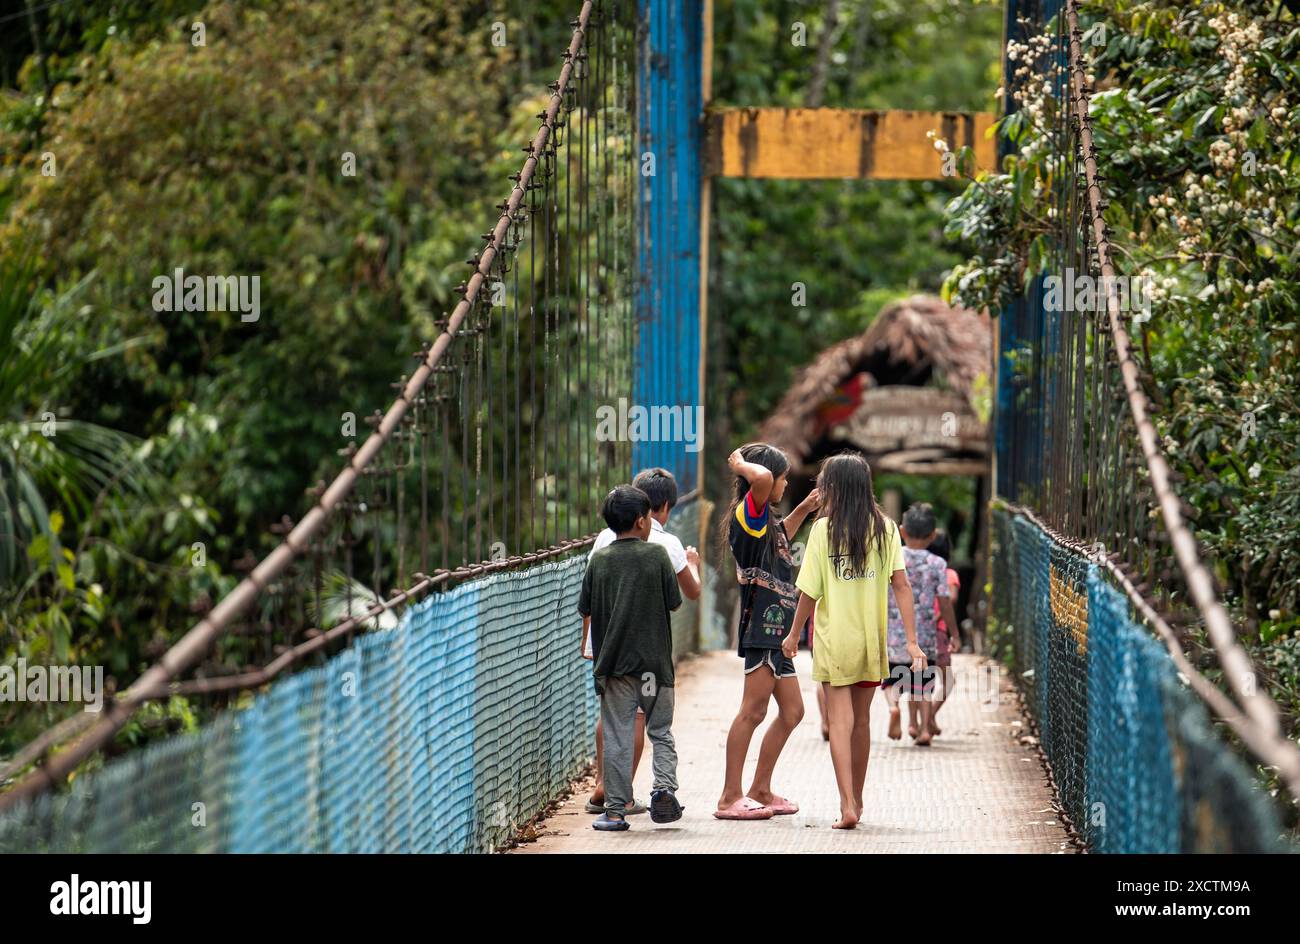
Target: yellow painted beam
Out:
[836,143]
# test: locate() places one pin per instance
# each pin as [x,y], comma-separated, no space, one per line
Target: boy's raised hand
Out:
[693,558]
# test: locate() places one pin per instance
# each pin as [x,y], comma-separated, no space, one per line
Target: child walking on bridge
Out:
[660,487]
[760,543]
[628,591]
[854,556]
[927,575]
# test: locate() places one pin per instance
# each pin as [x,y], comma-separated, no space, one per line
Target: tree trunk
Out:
[830,32]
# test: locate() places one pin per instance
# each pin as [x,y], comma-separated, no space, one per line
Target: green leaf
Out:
[39,550]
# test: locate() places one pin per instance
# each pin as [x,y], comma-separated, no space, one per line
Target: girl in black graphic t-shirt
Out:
[760,543]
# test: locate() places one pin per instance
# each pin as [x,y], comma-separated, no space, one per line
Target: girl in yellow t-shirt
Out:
[854,555]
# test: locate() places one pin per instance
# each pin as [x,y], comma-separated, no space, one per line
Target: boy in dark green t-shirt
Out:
[629,591]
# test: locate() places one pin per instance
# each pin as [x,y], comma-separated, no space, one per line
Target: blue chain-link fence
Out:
[1137,763]
[440,735]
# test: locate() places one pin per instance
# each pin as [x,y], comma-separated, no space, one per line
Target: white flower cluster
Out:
[1032,92]
[1206,204]
[1236,42]
[1222,153]
[1241,192]
[1158,288]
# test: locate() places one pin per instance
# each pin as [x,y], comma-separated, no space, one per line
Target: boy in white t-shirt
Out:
[660,486]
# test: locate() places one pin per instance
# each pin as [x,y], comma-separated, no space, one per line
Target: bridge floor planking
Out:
[977,789]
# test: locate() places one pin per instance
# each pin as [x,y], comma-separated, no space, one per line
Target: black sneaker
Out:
[664,807]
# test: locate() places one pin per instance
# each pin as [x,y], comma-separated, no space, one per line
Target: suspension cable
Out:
[191,648]
[1271,745]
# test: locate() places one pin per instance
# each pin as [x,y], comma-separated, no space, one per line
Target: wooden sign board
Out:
[925,421]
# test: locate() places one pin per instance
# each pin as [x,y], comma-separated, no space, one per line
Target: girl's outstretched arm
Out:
[760,479]
[906,609]
[790,645]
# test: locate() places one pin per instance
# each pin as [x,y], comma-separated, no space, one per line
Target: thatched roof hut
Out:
[909,392]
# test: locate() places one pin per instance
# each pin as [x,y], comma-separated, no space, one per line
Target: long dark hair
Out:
[770,458]
[848,500]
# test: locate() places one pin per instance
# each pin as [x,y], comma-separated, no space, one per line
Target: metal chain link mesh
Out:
[1137,762]
[1065,740]
[441,735]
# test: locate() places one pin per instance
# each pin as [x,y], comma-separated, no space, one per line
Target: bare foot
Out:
[934,728]
[913,731]
[895,724]
[924,740]
[848,820]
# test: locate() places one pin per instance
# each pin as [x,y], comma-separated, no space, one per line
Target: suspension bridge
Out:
[451,710]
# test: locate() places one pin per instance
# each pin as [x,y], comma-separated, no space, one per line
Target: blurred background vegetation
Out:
[1195,119]
[853,245]
[136,445]
[180,438]
[857,244]
[190,428]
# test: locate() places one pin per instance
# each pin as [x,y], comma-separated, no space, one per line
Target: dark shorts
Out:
[782,666]
[918,683]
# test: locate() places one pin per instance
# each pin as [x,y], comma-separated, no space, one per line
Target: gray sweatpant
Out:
[620,696]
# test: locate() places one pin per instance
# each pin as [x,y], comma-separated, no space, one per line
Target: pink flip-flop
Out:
[745,808]
[780,806]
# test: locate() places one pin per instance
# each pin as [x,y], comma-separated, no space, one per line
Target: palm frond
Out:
[47,462]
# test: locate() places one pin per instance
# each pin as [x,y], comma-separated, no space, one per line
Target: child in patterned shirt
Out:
[928,575]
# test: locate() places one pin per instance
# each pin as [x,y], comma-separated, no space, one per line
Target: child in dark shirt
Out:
[629,591]
[760,543]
